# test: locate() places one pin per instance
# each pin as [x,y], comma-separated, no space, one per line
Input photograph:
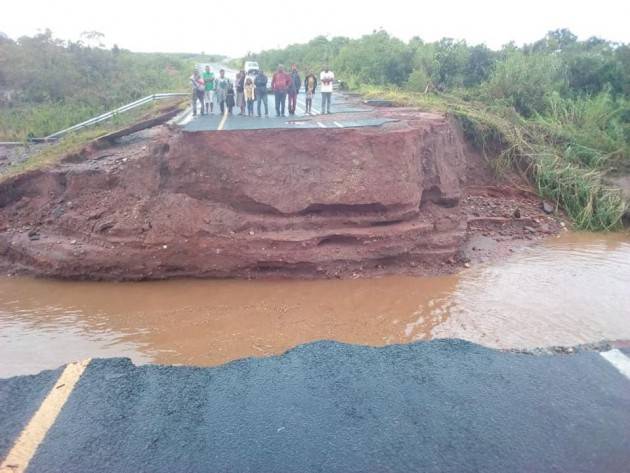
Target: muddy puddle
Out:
[570,290]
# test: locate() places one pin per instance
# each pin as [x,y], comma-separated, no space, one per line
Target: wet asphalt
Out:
[346,114]
[438,406]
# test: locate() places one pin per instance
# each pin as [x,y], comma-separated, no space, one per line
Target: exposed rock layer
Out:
[250,203]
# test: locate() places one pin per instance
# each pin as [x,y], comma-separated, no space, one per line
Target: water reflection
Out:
[571,290]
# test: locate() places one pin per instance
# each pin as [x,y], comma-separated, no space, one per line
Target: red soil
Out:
[407,197]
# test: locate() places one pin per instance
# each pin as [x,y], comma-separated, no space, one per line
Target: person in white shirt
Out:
[326,79]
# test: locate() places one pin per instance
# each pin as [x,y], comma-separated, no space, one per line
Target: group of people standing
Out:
[252,88]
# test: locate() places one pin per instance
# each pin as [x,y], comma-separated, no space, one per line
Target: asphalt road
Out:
[346,114]
[439,406]
[361,115]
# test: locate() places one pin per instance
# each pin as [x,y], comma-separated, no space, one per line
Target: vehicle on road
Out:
[251,68]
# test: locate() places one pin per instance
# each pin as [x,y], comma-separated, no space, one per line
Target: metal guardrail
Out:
[100,118]
[113,113]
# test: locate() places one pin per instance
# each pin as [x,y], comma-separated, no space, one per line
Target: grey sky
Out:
[236,27]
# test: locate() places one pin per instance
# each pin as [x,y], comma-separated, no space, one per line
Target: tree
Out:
[377,58]
[479,66]
[93,39]
[524,81]
[556,40]
[452,57]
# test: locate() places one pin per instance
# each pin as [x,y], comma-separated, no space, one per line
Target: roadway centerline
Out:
[223,120]
[35,431]
[620,361]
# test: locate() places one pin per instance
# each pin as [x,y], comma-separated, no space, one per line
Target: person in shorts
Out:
[208,79]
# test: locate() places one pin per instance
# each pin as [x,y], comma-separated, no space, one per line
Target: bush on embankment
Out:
[557,108]
[566,163]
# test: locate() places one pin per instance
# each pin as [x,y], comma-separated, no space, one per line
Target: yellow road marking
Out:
[34,433]
[224,119]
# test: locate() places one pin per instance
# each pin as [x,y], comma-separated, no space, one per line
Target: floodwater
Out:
[570,290]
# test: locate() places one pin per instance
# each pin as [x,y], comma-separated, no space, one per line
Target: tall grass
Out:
[565,163]
[74,142]
[38,120]
[590,128]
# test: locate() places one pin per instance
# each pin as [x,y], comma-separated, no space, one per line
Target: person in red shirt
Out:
[280,85]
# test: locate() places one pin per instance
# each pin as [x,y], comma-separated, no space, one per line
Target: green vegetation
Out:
[47,84]
[558,109]
[75,142]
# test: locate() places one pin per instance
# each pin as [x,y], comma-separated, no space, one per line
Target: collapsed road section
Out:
[401,194]
[439,406]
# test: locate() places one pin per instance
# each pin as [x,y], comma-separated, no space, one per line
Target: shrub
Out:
[524,81]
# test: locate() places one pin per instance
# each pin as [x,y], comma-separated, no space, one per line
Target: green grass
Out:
[37,121]
[75,142]
[51,154]
[564,153]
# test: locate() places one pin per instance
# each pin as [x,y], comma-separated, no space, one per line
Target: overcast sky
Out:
[233,28]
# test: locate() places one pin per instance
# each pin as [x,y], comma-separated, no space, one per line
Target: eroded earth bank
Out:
[407,197]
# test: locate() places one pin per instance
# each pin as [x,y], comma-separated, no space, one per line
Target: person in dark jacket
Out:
[280,85]
[294,88]
[260,84]
[229,98]
[310,85]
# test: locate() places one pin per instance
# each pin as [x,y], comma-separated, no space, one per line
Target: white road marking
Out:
[223,120]
[321,125]
[302,107]
[314,110]
[620,361]
[338,124]
[183,118]
[35,431]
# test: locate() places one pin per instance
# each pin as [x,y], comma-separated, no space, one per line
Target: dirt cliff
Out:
[317,202]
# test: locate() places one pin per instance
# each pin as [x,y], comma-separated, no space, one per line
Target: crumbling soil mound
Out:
[406,197]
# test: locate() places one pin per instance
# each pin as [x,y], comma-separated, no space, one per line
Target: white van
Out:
[251,68]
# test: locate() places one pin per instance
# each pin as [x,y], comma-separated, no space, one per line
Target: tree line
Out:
[558,108]
[47,84]
[522,77]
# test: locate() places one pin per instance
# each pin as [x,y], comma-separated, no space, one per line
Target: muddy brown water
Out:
[569,290]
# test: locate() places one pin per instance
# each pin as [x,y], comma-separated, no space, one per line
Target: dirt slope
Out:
[406,197]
